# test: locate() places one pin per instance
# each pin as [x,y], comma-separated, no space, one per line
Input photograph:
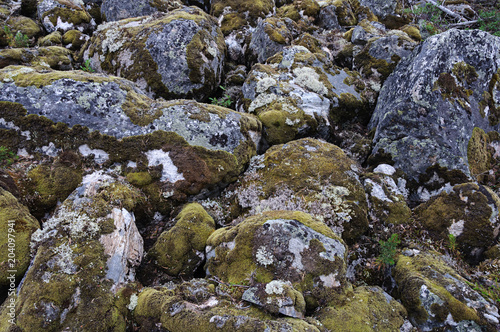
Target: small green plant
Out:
[490,21]
[225,101]
[7,157]
[452,242]
[388,251]
[17,40]
[86,67]
[491,292]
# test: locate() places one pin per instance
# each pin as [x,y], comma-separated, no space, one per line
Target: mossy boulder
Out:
[429,106]
[289,246]
[25,25]
[74,39]
[180,250]
[269,37]
[277,297]
[186,146]
[52,39]
[469,212]
[115,10]
[199,305]
[177,55]
[16,227]
[387,196]
[369,308]
[86,251]
[54,57]
[64,15]
[47,185]
[378,58]
[236,14]
[299,93]
[436,296]
[305,175]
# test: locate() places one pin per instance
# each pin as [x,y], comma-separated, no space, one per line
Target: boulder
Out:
[197,305]
[468,212]
[180,250]
[54,57]
[64,15]
[305,175]
[184,147]
[115,10]
[16,227]
[288,246]
[176,55]
[83,254]
[369,308]
[436,296]
[387,196]
[429,106]
[299,93]
[236,14]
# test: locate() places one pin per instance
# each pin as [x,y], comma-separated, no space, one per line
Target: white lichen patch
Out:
[133,302]
[264,84]
[100,156]
[264,257]
[275,287]
[385,169]
[330,280]
[377,191]
[308,78]
[169,172]
[63,259]
[456,228]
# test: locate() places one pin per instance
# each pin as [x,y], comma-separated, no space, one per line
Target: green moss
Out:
[53,38]
[447,86]
[412,273]
[178,250]
[255,9]
[51,184]
[25,25]
[413,31]
[16,226]
[139,179]
[478,156]
[67,15]
[366,310]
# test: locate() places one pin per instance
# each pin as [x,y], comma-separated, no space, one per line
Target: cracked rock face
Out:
[429,106]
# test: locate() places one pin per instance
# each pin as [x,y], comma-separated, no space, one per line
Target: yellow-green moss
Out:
[23,24]
[51,39]
[366,310]
[412,31]
[478,156]
[411,273]
[16,227]
[177,250]
[67,15]
[50,184]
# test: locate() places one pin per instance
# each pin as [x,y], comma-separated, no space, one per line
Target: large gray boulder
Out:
[174,148]
[177,55]
[430,104]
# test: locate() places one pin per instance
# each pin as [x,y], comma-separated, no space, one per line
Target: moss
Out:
[51,184]
[468,208]
[16,224]
[309,42]
[178,250]
[67,15]
[494,110]
[288,11]
[277,31]
[139,179]
[429,271]
[231,22]
[412,31]
[448,88]
[25,25]
[478,156]
[237,251]
[255,9]
[367,309]
[53,38]
[464,72]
